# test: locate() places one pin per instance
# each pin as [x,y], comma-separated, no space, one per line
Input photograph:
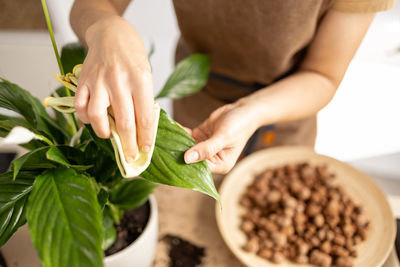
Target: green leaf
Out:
[109,232]
[167,164]
[189,77]
[116,213]
[71,55]
[102,198]
[13,197]
[34,144]
[7,123]
[104,144]
[73,155]
[54,154]
[13,97]
[35,159]
[129,194]
[105,167]
[64,219]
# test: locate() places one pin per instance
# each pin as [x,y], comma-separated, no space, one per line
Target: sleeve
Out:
[363,6]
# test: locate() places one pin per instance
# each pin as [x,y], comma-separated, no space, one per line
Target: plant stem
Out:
[45,139]
[53,41]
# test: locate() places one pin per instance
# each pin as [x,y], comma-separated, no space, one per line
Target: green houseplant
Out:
[68,186]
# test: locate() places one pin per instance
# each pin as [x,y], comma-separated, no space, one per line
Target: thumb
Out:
[205,150]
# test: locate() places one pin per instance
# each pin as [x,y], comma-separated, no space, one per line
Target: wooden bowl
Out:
[372,252]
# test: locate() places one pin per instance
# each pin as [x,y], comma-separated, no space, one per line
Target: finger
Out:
[124,112]
[81,103]
[97,111]
[205,150]
[144,110]
[82,95]
[220,163]
[216,168]
[219,168]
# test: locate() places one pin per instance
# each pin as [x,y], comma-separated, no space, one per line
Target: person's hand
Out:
[116,73]
[222,137]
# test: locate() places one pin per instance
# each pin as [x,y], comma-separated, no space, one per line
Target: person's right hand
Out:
[116,73]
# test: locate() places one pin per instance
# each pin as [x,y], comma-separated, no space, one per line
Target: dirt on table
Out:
[131,227]
[183,253]
[2,261]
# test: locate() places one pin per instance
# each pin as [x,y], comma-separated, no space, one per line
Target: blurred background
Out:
[361,122]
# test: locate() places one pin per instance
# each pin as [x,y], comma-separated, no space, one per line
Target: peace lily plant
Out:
[70,186]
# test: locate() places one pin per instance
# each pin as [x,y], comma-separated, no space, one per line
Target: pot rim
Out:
[152,217]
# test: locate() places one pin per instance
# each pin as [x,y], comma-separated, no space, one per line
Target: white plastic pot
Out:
[141,252]
[19,251]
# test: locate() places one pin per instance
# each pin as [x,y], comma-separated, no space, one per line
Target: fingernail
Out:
[192,157]
[146,148]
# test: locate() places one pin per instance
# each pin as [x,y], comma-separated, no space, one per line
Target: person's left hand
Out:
[221,138]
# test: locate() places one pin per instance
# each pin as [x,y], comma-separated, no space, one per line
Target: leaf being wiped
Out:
[168,166]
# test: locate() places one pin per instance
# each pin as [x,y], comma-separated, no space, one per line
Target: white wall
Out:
[363,119]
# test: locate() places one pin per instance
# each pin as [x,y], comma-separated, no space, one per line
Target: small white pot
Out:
[141,252]
[19,251]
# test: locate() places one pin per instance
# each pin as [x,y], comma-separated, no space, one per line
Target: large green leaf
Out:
[130,194]
[189,77]
[167,164]
[15,98]
[13,197]
[71,55]
[65,220]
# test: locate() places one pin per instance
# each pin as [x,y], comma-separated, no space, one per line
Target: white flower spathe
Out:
[18,135]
